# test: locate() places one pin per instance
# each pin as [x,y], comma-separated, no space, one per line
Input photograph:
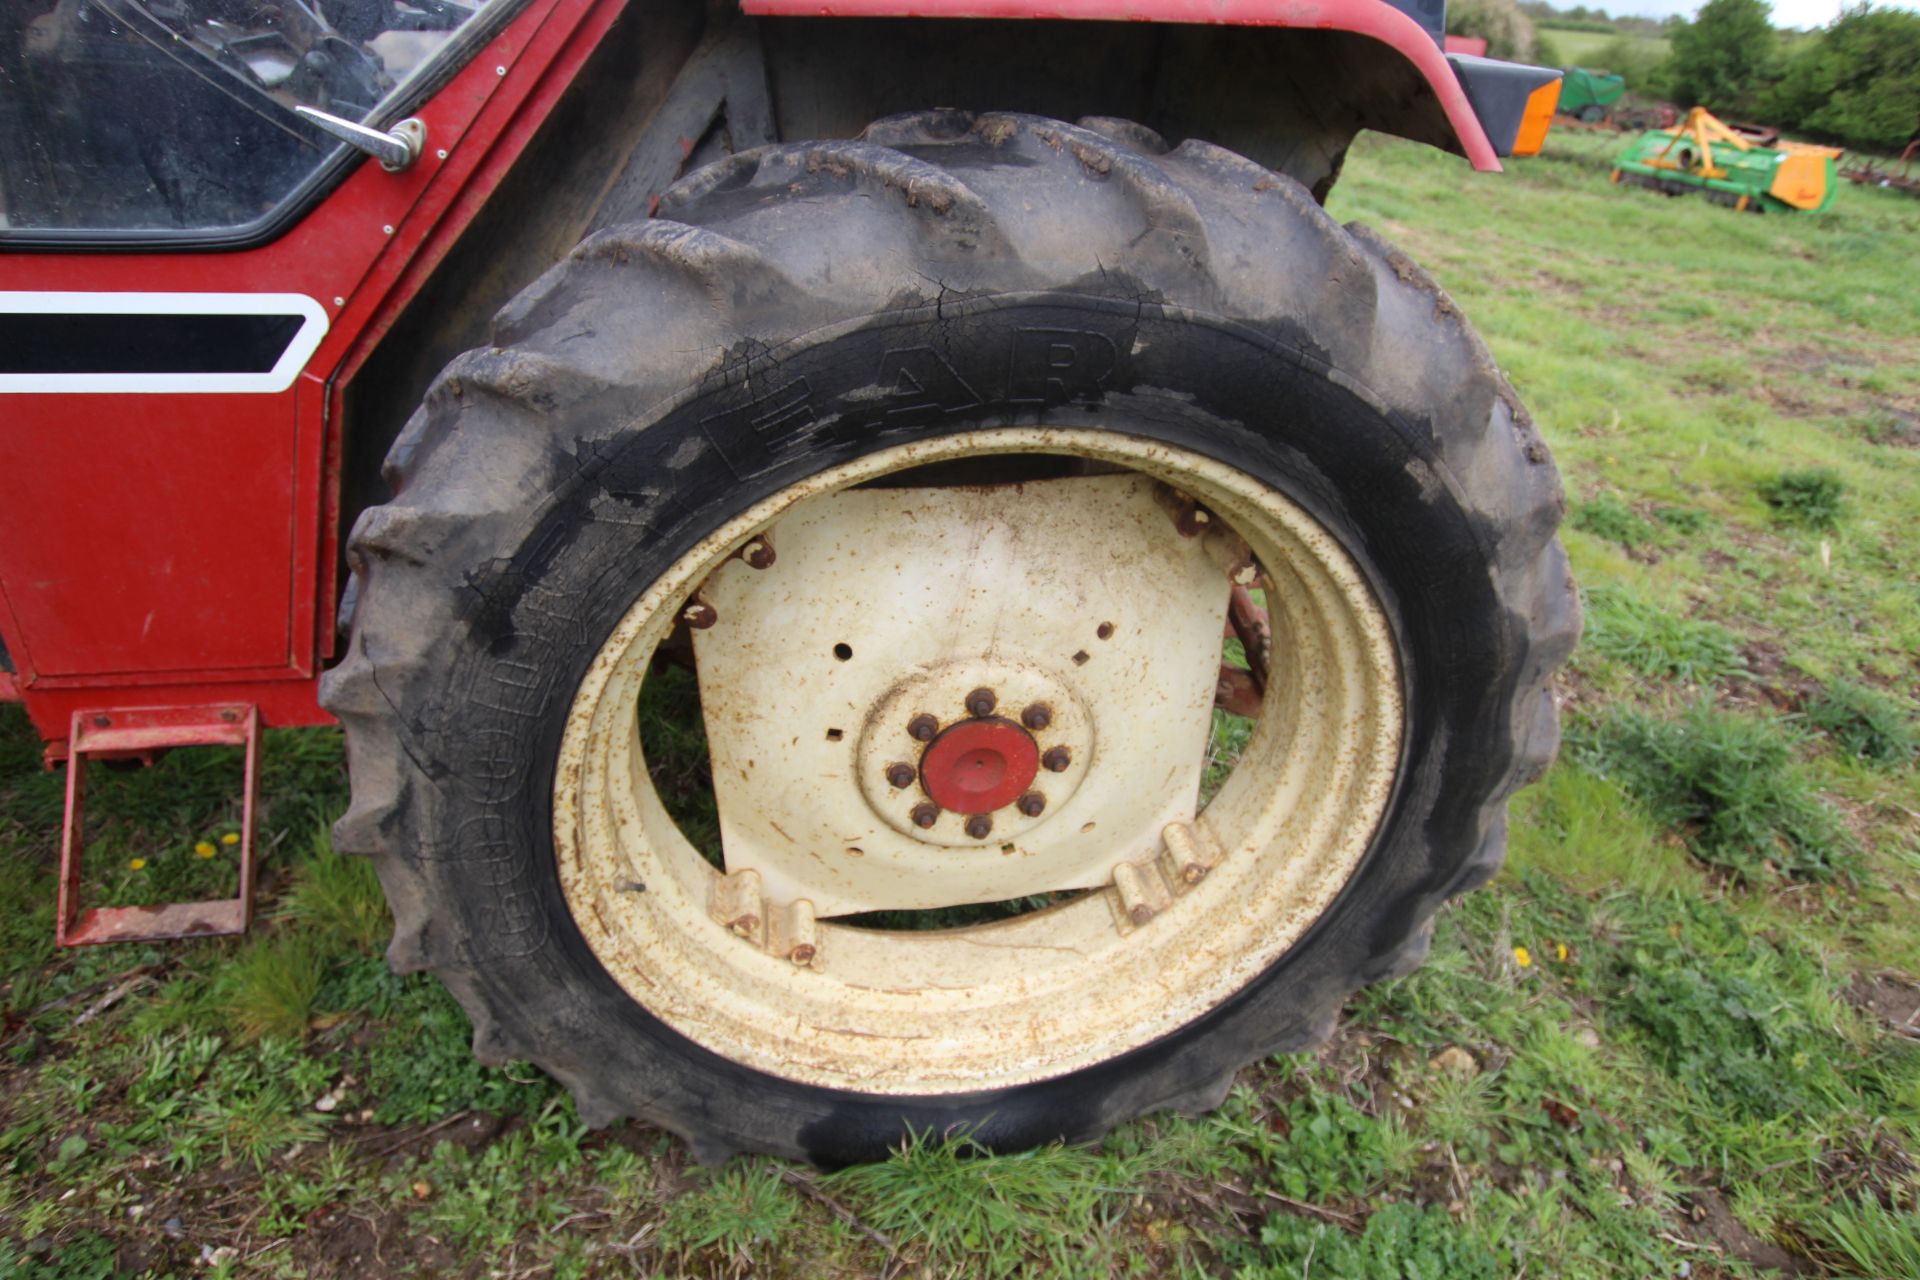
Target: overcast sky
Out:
[1786,13]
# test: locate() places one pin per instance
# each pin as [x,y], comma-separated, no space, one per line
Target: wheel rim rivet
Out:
[922,728]
[981,702]
[1037,716]
[1032,804]
[1056,760]
[900,775]
[979,826]
[924,815]
[700,615]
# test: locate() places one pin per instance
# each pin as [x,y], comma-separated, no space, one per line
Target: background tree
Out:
[1639,62]
[1858,82]
[1726,58]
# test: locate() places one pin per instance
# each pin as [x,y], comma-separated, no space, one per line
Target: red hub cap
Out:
[978,766]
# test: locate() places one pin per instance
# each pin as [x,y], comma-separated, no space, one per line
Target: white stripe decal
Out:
[313,327]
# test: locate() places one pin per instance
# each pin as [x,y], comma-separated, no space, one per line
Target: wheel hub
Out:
[979,766]
[969,765]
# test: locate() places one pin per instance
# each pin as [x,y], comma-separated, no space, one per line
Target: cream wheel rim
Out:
[1174,933]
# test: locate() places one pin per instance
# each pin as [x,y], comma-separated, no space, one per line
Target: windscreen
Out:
[168,116]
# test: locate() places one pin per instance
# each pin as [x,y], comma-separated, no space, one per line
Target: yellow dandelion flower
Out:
[138,864]
[204,850]
[1560,951]
[1522,957]
[231,838]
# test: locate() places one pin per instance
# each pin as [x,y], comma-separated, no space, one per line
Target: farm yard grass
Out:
[1679,1035]
[1585,48]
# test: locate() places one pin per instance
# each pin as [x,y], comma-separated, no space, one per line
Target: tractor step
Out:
[140,734]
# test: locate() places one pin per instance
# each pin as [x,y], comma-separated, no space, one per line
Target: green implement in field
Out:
[1702,154]
[1588,94]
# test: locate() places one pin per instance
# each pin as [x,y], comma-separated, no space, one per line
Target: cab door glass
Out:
[178,115]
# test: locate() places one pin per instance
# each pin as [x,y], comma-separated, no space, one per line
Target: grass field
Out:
[1582,48]
[1679,1036]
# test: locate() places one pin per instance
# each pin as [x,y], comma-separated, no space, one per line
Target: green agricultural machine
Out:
[1589,95]
[1703,154]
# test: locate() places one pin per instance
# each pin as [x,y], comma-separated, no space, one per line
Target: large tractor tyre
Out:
[943,455]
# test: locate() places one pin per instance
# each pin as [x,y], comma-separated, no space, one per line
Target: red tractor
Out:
[558,392]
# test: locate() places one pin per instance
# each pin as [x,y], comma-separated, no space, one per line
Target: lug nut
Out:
[979,826]
[922,728]
[1037,716]
[925,814]
[1057,759]
[758,553]
[900,775]
[700,615]
[1032,804]
[981,702]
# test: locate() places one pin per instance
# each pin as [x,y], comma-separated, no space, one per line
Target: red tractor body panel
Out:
[179,547]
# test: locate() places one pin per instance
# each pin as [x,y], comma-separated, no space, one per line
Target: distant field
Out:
[1678,1036]
[1581,48]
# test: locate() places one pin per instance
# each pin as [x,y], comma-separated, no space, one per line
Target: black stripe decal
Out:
[81,343]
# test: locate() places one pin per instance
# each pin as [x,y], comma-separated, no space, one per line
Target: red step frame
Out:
[139,734]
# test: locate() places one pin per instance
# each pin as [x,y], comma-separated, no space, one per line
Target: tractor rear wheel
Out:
[939,458]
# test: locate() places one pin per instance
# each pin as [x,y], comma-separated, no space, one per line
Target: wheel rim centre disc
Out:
[1043,993]
[979,766]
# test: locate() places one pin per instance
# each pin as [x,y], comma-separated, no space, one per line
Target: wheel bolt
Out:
[981,702]
[922,728]
[758,554]
[1032,804]
[1056,760]
[925,814]
[900,775]
[979,826]
[700,615]
[1037,716]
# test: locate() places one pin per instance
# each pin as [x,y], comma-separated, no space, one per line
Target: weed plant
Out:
[738,1211]
[1608,517]
[990,1216]
[1870,1239]
[1657,642]
[1729,782]
[1809,498]
[1863,723]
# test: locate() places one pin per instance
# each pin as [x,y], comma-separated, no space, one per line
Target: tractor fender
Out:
[1476,95]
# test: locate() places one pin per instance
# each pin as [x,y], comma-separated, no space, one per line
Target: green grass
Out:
[1810,498]
[1863,723]
[1582,48]
[1727,782]
[1658,642]
[1649,1048]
